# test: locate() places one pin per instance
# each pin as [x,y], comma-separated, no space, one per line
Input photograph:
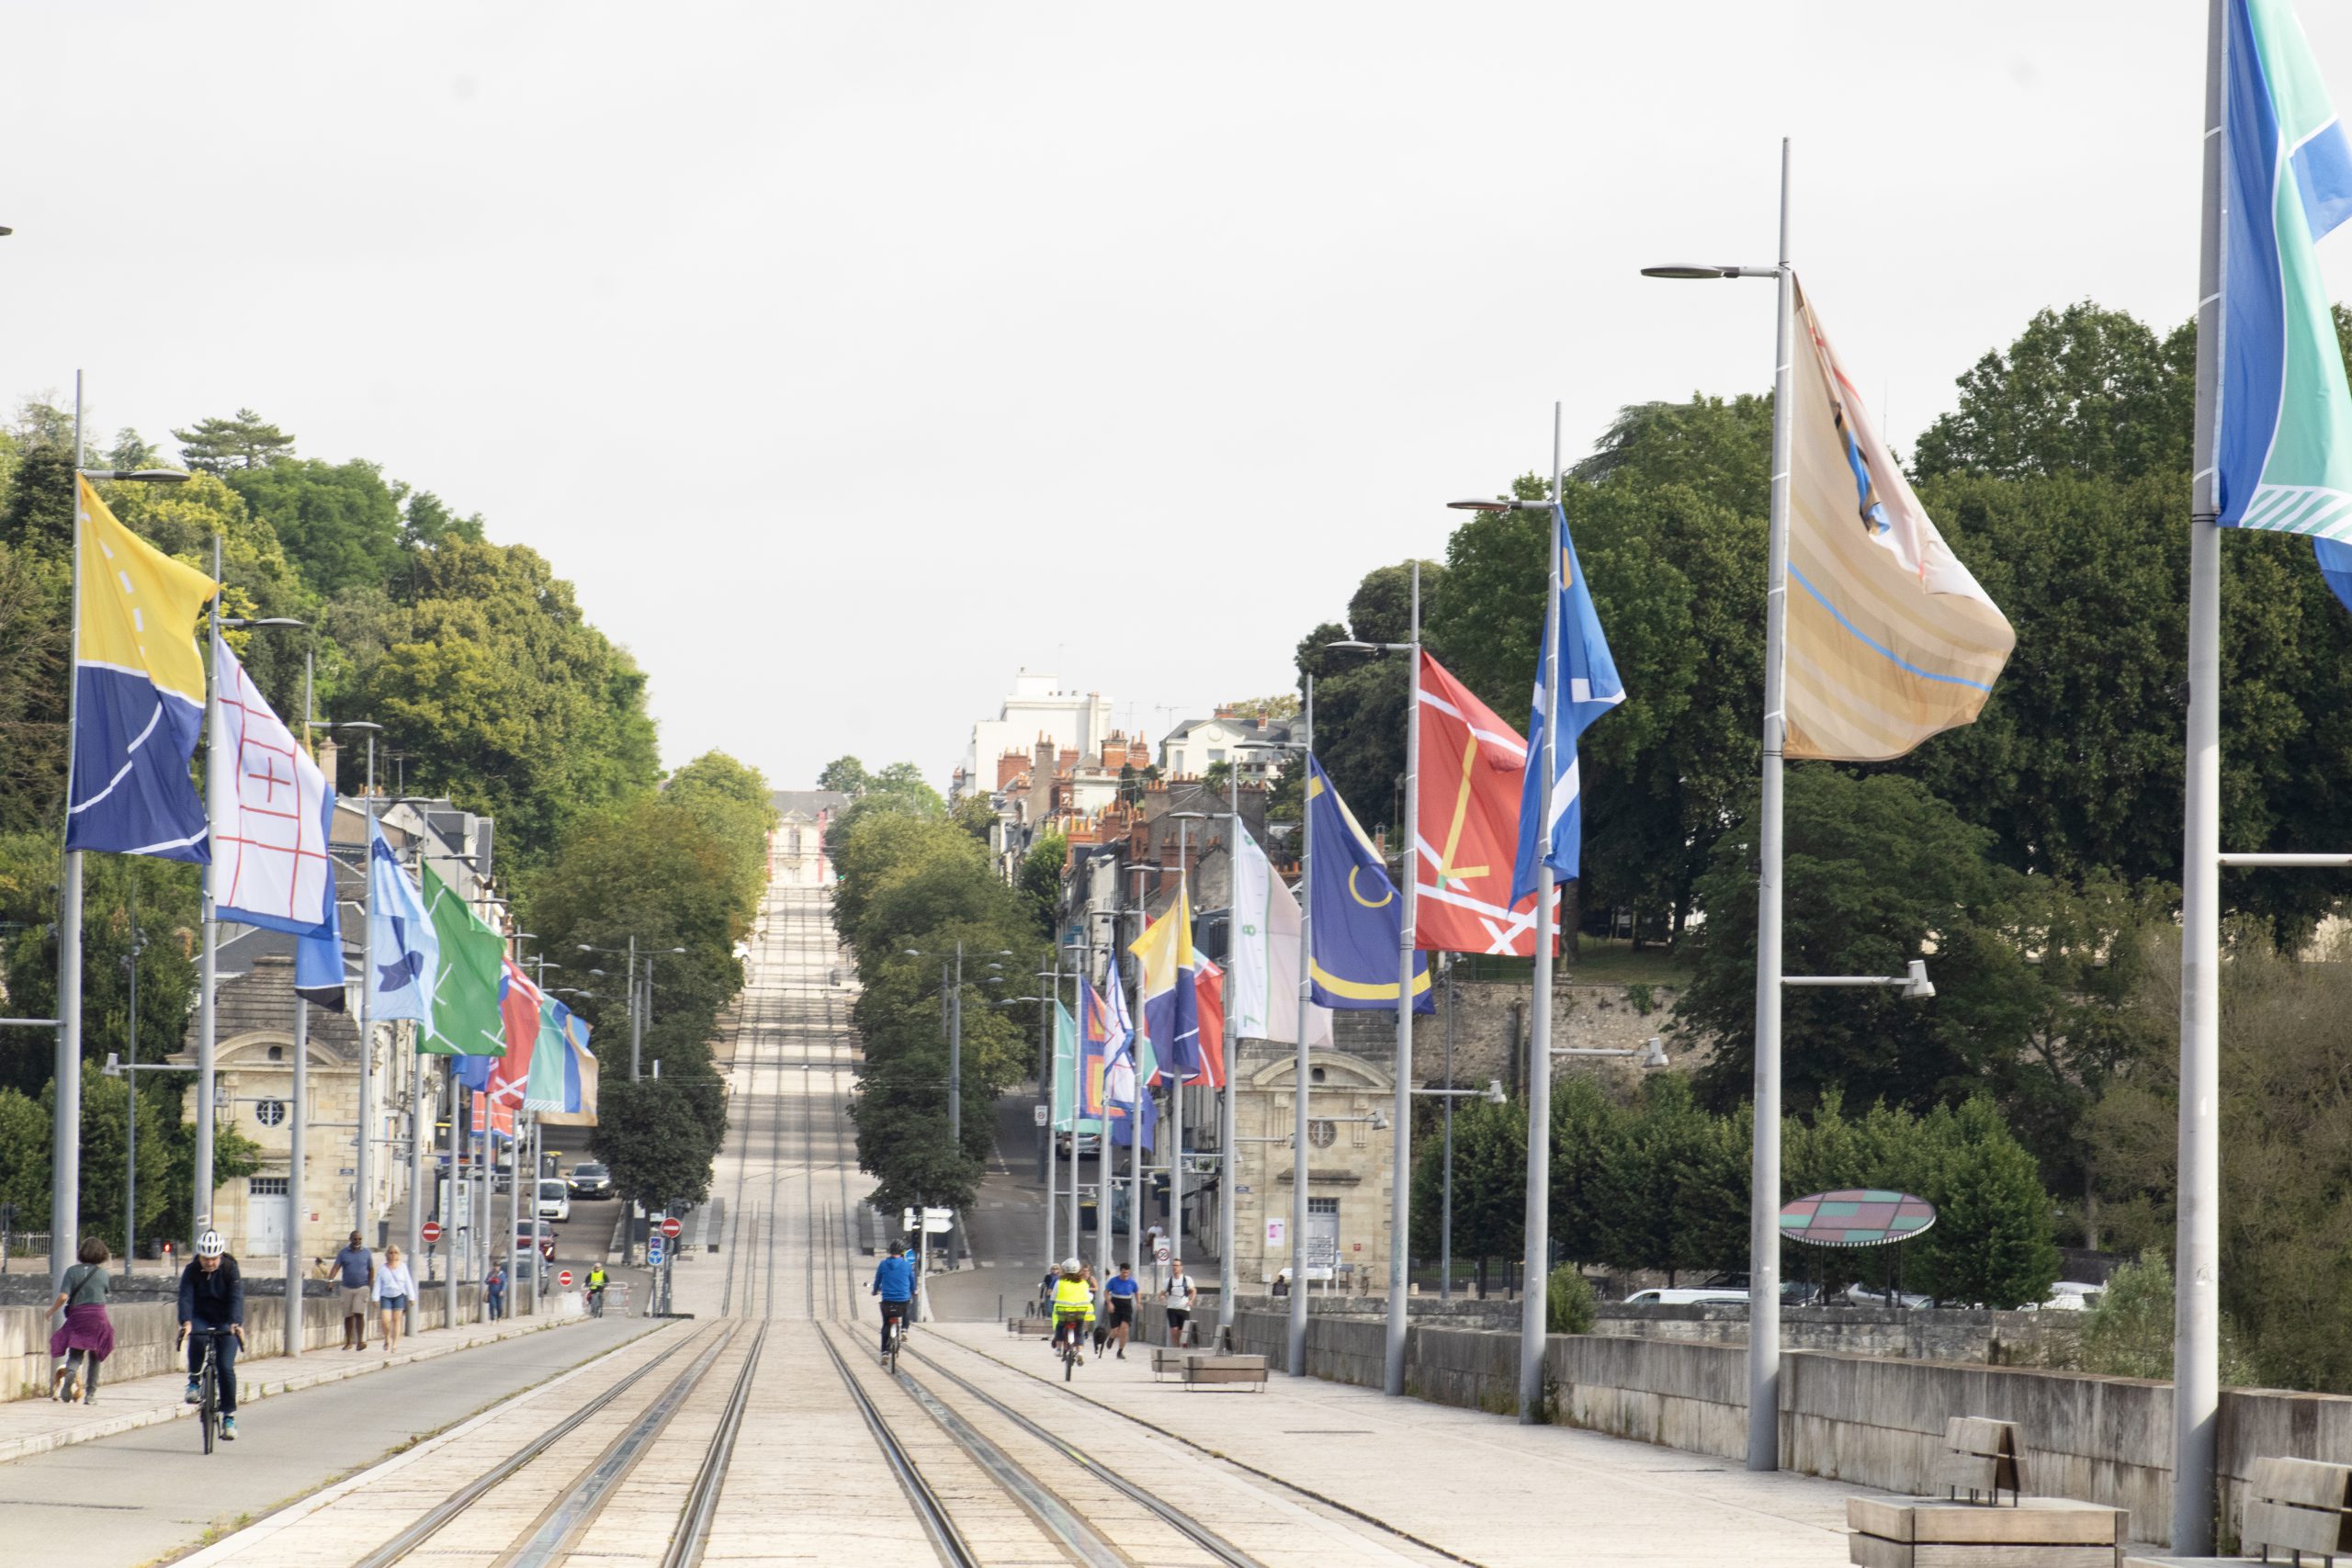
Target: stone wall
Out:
[144,1332]
[1874,1421]
[1942,1333]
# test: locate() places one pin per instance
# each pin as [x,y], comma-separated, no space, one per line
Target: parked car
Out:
[2073,1295]
[589,1179]
[1089,1145]
[535,1235]
[1688,1298]
[1875,1297]
[555,1200]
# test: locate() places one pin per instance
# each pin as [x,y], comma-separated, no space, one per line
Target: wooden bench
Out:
[1026,1327]
[1167,1359]
[1980,1454]
[2296,1505]
[1202,1369]
[1933,1532]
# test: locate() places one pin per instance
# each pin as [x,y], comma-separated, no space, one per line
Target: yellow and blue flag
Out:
[1170,1005]
[138,693]
[1359,919]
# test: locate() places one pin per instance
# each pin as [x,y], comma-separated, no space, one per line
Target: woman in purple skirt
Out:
[87,1331]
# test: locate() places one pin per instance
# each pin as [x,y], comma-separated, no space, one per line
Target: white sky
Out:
[850,357]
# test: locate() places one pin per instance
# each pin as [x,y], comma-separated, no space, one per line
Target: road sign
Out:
[935,1221]
[671,1227]
[432,1232]
[1160,1252]
[564,1278]
[653,1253]
[1039,1114]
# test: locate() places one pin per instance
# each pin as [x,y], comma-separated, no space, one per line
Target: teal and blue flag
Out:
[318,953]
[2283,425]
[402,950]
[1551,823]
[138,693]
[1359,919]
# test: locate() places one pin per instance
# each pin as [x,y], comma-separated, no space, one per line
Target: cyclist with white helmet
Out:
[1073,1303]
[212,1299]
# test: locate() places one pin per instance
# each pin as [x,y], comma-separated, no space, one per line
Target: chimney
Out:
[328,752]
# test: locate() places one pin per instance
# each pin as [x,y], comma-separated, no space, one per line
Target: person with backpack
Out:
[87,1334]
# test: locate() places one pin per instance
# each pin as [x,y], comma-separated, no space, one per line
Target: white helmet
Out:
[210,1244]
[1072,1265]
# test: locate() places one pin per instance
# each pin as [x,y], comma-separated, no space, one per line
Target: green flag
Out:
[465,1020]
[1066,1076]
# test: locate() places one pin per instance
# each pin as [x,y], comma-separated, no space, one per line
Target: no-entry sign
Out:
[431,1233]
[564,1278]
[671,1227]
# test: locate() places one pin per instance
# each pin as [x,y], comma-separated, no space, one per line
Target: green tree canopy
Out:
[245,440]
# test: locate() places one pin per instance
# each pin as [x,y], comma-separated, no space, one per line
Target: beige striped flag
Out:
[1890,639]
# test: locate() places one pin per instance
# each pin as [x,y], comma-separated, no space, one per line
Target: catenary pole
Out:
[2196,1306]
[65,1140]
[1301,1073]
[1764,1197]
[1401,1159]
[1229,1168]
[1534,1298]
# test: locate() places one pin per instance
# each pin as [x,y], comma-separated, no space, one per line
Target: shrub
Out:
[1568,1302]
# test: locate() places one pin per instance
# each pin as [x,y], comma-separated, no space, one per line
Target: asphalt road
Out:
[132,1498]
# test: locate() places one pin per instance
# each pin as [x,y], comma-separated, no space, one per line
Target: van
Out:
[2073,1295]
[1715,1297]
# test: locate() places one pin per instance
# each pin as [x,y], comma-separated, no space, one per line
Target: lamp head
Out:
[1494,1095]
[1917,987]
[1653,1053]
[1689,270]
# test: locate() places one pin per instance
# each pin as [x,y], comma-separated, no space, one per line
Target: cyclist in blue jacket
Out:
[212,1296]
[894,1281]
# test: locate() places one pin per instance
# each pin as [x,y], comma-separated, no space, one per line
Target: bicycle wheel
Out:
[1069,1360]
[207,1405]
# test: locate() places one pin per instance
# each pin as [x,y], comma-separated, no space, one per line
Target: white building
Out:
[1188,751]
[1036,709]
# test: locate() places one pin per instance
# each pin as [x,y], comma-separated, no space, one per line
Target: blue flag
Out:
[1126,1076]
[1551,831]
[1359,919]
[318,954]
[2282,455]
[403,952]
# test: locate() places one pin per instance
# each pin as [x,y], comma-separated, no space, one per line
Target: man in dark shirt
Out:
[355,1272]
[212,1296]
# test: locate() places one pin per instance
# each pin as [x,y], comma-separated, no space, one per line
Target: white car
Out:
[1719,1296]
[2073,1295]
[555,1200]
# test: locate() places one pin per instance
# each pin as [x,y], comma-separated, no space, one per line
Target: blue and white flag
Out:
[270,809]
[2283,426]
[1550,824]
[1127,1071]
[1359,919]
[403,952]
[319,978]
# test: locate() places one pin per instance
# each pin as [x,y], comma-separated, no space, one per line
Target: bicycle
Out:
[1072,1329]
[898,1336]
[207,1383]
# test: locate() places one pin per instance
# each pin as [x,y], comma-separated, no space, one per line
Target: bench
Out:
[1201,1369]
[1981,1454]
[1166,1359]
[1027,1327]
[2297,1506]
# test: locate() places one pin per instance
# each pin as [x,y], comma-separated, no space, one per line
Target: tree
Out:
[246,441]
[340,523]
[1040,878]
[656,1139]
[2083,390]
[844,773]
[130,451]
[1359,698]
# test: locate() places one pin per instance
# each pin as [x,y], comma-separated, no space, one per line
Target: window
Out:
[265,1185]
[1321,1134]
[1216,753]
[1322,1205]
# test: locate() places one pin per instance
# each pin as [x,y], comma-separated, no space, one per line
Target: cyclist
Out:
[212,1296]
[597,1290]
[1073,1306]
[894,1281]
[1120,1307]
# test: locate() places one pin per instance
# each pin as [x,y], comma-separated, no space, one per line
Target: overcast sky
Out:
[850,357]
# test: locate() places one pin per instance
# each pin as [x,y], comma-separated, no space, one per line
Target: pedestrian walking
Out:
[354,1272]
[395,1287]
[1180,1298]
[493,1290]
[86,1337]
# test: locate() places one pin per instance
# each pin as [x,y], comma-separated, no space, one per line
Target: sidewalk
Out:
[30,1426]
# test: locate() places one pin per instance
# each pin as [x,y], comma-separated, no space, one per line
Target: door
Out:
[268,1206]
[1322,1237]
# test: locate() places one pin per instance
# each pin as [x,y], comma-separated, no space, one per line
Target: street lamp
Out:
[953,1005]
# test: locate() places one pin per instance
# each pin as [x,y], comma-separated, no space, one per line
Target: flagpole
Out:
[208,967]
[1228,1282]
[361,1205]
[1176,1075]
[2196,1268]
[1764,1195]
[1534,1297]
[1106,1182]
[297,1166]
[1053,1096]
[1400,1185]
[1077,1083]
[1301,1074]
[65,1157]
[1135,1106]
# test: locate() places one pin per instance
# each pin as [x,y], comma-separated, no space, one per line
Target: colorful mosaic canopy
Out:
[1854,1217]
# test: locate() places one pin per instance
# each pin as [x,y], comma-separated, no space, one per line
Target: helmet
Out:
[210,1244]
[1071,1265]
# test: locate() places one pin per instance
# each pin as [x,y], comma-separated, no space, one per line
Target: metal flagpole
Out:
[362,1203]
[208,967]
[1104,1181]
[1135,1119]
[485,1202]
[1301,1074]
[1053,1096]
[2198,1244]
[420,1132]
[1445,1220]
[449,1211]
[514,1211]
[1534,1298]
[297,1164]
[1176,1077]
[1078,1090]
[1400,1184]
[1764,1196]
[65,1156]
[1227,1144]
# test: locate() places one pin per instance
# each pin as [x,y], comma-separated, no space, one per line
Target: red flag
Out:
[518,1014]
[1208,991]
[1471,765]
